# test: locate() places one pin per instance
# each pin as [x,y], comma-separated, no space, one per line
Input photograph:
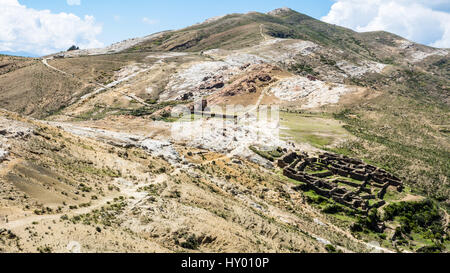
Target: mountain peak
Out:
[280,11]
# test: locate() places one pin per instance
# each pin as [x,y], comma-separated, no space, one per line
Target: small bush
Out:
[330,248]
[190,243]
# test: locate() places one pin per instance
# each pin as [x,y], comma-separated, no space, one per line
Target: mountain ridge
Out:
[288,18]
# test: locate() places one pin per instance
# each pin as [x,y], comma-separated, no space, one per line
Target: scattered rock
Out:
[3,155]
[358,70]
[187,96]
[249,82]
[237,161]
[212,85]
[315,93]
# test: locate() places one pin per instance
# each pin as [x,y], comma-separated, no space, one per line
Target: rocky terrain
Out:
[173,142]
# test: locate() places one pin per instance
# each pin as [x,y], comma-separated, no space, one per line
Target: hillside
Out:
[101,145]
[62,188]
[237,31]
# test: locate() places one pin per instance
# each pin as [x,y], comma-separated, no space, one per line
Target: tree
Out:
[74,47]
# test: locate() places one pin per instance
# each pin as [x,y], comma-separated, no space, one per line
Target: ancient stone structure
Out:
[328,171]
[200,106]
[202,109]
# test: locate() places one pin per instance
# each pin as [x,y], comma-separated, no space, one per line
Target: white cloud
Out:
[423,21]
[149,21]
[73,2]
[43,32]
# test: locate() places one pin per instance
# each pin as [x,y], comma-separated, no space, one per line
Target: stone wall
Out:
[333,166]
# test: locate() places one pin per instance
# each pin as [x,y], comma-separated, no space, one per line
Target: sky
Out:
[40,27]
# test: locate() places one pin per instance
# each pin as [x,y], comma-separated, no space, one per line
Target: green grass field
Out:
[318,130]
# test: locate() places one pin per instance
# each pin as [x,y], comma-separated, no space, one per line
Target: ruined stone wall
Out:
[294,166]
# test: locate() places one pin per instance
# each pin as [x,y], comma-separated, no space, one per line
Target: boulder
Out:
[187,96]
[212,85]
[3,155]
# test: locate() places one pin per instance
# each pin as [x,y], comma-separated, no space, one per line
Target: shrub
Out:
[262,154]
[371,222]
[332,209]
[330,248]
[74,47]
[190,243]
[420,217]
[437,248]
[356,227]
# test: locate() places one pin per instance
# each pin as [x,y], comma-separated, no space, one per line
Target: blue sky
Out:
[47,26]
[124,19]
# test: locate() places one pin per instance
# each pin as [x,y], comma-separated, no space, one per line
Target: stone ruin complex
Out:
[347,181]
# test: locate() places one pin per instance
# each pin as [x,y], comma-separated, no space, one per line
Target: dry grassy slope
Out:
[241,30]
[57,188]
[48,90]
[51,91]
[97,69]
[11,63]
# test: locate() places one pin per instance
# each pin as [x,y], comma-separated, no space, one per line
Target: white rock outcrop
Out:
[314,93]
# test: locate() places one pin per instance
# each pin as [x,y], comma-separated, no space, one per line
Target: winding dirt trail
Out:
[113,84]
[103,87]
[129,190]
[39,218]
[260,99]
[45,62]
[262,32]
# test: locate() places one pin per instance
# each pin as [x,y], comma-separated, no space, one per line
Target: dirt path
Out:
[39,218]
[129,190]
[45,62]
[103,87]
[258,103]
[134,97]
[264,93]
[262,32]
[111,85]
[447,219]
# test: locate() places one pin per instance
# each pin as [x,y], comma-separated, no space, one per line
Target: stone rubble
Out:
[360,69]
[315,93]
[154,147]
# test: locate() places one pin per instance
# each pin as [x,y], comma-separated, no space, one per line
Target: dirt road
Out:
[104,87]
